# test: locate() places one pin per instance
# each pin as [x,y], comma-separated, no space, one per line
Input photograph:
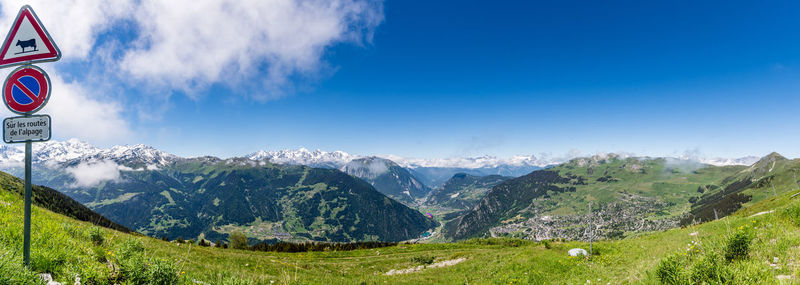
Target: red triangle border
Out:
[53,55]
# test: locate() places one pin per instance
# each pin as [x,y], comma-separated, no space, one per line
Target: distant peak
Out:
[774,156]
[766,164]
[132,147]
[597,159]
[768,159]
[372,160]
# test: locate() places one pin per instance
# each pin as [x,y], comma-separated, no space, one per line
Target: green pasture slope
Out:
[65,248]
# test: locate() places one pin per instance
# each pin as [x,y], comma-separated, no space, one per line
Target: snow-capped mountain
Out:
[138,155]
[747,160]
[50,151]
[338,159]
[60,151]
[431,172]
[74,151]
[434,172]
[10,155]
[485,161]
[302,156]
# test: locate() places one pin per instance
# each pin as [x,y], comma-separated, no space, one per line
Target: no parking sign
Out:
[26,90]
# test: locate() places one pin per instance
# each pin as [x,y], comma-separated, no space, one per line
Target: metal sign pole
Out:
[26,246]
[27,128]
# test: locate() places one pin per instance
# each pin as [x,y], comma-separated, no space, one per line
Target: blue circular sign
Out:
[26,90]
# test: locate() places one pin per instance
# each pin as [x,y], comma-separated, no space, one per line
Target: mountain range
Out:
[299,195]
[431,172]
[72,152]
[160,194]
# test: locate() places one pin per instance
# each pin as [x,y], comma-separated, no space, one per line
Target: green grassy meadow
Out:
[65,248]
[671,183]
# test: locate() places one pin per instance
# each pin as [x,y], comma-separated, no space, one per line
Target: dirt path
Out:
[421,267]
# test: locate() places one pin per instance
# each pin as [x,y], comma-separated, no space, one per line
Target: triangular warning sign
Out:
[28,41]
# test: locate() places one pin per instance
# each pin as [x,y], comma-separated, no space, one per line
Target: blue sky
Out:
[435,79]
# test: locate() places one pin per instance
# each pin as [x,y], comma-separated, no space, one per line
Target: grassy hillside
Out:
[57,202]
[66,247]
[627,195]
[770,176]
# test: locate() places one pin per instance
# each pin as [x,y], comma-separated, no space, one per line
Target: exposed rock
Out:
[577,252]
[46,277]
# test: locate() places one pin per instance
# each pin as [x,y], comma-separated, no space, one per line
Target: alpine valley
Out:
[302,195]
[286,195]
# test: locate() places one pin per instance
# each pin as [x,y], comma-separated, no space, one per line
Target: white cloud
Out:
[73,24]
[684,165]
[377,167]
[90,174]
[199,41]
[126,168]
[189,44]
[76,113]
[370,168]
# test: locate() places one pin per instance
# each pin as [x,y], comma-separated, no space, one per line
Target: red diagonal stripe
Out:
[26,91]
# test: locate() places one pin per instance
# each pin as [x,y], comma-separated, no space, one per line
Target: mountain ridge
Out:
[68,150]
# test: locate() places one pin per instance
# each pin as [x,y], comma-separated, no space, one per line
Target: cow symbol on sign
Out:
[28,43]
